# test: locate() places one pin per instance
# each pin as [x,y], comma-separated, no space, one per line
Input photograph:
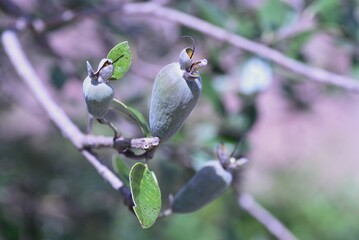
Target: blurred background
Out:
[301,137]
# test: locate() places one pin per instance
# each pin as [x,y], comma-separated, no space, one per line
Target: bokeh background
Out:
[301,137]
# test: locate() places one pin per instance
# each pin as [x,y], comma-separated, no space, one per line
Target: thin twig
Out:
[23,67]
[273,225]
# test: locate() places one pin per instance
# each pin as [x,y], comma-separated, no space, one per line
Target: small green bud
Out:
[97,91]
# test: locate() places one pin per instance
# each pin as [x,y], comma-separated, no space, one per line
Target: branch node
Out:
[145,143]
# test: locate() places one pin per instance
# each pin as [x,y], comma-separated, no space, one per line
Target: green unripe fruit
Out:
[97,91]
[98,97]
[175,92]
[207,184]
[173,98]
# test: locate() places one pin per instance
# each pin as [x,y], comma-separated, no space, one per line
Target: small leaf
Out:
[121,56]
[133,115]
[121,168]
[146,194]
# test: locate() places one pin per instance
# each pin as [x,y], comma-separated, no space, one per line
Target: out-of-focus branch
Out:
[69,130]
[156,10]
[270,222]
[10,8]
[305,23]
[301,69]
[27,73]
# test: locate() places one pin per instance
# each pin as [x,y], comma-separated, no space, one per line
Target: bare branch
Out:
[153,9]
[273,225]
[301,69]
[29,76]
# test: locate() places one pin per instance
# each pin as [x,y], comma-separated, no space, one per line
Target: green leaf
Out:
[133,115]
[121,56]
[146,194]
[121,168]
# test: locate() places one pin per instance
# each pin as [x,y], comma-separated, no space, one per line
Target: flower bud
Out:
[97,91]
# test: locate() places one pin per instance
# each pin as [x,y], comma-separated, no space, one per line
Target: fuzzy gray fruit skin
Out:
[173,99]
[207,184]
[98,96]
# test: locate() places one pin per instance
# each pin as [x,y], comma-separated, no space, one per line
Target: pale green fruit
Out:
[97,91]
[98,97]
[173,98]
[207,184]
